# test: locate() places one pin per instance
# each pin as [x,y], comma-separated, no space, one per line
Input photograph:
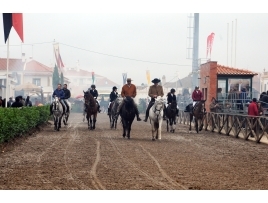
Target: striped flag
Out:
[124,78]
[15,20]
[93,77]
[148,76]
[57,56]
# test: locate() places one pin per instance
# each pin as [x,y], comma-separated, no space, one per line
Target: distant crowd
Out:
[19,102]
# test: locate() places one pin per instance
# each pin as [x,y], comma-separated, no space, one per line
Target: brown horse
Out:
[171,113]
[197,112]
[91,109]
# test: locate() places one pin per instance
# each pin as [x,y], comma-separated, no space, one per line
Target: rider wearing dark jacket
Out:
[172,97]
[113,96]
[60,94]
[95,94]
[67,95]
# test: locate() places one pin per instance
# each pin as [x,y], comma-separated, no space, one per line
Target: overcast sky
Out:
[161,38]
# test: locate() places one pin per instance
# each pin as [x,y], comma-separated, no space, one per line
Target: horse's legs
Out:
[191,119]
[153,131]
[124,127]
[196,124]
[55,122]
[167,125]
[94,122]
[159,129]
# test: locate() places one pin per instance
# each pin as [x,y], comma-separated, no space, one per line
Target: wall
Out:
[208,81]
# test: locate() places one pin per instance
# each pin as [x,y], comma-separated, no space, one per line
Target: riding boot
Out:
[147,114]
[99,109]
[109,111]
[137,113]
[177,111]
[51,110]
[164,111]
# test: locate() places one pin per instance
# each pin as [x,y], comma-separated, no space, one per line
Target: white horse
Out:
[57,110]
[68,113]
[156,117]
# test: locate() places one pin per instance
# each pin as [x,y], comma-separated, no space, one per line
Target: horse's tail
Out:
[156,125]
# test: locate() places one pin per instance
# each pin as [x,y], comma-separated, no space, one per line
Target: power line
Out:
[27,44]
[122,57]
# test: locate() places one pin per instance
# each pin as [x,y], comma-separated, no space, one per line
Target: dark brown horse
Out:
[198,113]
[91,109]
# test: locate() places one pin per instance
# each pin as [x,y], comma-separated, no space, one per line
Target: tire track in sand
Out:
[71,175]
[95,181]
[134,166]
[162,171]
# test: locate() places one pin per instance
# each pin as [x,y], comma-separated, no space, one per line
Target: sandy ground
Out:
[76,158]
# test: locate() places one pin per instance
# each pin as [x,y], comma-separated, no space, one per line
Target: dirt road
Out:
[76,158]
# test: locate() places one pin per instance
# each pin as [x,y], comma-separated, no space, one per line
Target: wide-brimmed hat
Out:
[156,80]
[129,79]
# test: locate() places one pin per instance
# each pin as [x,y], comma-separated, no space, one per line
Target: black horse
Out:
[127,113]
[91,109]
[171,113]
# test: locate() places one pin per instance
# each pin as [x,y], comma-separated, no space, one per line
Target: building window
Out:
[37,81]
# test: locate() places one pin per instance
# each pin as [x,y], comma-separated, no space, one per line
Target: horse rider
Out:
[172,97]
[197,96]
[67,95]
[95,94]
[130,90]
[113,96]
[60,94]
[154,91]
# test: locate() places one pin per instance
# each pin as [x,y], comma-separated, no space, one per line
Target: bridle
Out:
[157,110]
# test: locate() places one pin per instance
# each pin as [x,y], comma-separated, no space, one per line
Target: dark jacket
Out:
[171,98]
[197,95]
[28,103]
[94,93]
[17,104]
[9,103]
[113,96]
[59,93]
[67,93]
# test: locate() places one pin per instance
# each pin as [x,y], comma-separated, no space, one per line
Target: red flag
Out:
[15,20]
[211,42]
[208,44]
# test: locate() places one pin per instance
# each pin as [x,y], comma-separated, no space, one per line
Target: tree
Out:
[55,78]
[61,79]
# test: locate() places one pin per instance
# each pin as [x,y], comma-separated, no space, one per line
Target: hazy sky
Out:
[158,37]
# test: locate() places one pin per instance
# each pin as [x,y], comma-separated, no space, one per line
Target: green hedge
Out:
[17,121]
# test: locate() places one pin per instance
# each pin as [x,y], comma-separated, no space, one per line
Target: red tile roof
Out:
[35,66]
[14,64]
[80,73]
[223,70]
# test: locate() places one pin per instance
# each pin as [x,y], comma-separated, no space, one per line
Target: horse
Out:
[197,112]
[58,113]
[156,117]
[113,116]
[171,114]
[127,113]
[91,109]
[67,114]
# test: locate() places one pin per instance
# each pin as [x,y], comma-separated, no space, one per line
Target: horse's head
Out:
[128,101]
[158,105]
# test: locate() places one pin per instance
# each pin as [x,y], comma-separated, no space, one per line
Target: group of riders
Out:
[128,89]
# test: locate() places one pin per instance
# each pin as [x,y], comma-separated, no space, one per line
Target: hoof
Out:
[153,139]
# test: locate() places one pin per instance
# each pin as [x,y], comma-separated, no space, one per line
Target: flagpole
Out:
[7,86]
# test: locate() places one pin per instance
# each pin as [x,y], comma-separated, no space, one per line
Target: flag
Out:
[211,42]
[148,76]
[124,78]
[210,39]
[57,56]
[93,77]
[15,20]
